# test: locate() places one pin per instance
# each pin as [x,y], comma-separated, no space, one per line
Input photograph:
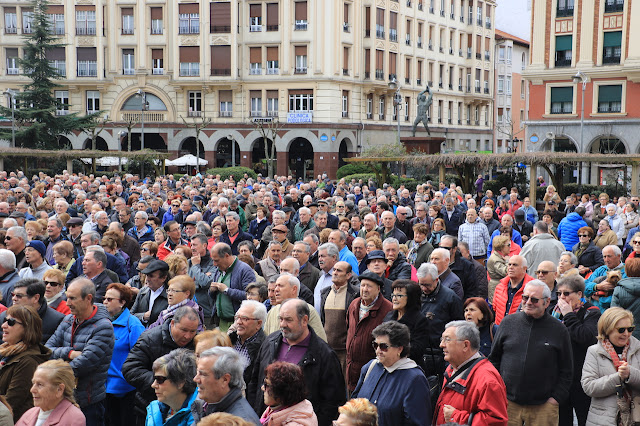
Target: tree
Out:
[37,123]
[269,129]
[198,125]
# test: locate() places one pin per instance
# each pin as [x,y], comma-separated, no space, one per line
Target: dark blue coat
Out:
[452,224]
[113,264]
[256,229]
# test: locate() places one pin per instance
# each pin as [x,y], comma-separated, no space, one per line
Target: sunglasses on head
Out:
[383,346]
[620,330]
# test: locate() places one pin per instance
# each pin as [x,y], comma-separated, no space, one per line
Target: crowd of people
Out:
[243,301]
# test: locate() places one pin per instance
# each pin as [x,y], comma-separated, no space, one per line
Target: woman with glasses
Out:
[180,293]
[589,255]
[126,328]
[437,231]
[149,248]
[627,293]
[175,389]
[581,319]
[284,395]
[63,255]
[394,382]
[611,370]
[405,298]
[20,355]
[54,290]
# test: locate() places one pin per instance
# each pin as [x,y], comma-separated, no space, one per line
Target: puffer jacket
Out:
[94,338]
[146,236]
[202,275]
[568,230]
[300,414]
[400,269]
[600,378]
[157,410]
[501,297]
[627,296]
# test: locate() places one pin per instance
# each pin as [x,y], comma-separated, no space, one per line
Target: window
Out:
[301,15]
[27,21]
[561,100]
[87,65]
[509,54]
[565,8]
[12,61]
[522,90]
[62,98]
[508,85]
[226,103]
[189,19]
[379,65]
[157,25]
[407,102]
[367,21]
[127,20]
[346,27]
[301,101]
[10,20]
[564,50]
[128,63]
[381,107]
[614,6]
[220,16]
[370,106]
[272,103]
[301,59]
[56,20]
[345,103]
[93,101]
[345,61]
[380,23]
[189,61]
[612,50]
[221,60]
[272,17]
[85,22]
[157,61]
[56,58]
[524,61]
[610,98]
[273,64]
[195,104]
[501,53]
[393,26]
[255,17]
[255,60]
[479,13]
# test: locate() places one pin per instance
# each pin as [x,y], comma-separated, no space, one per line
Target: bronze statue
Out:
[424,102]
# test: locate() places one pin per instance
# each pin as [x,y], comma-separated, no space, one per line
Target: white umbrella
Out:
[106,161]
[188,160]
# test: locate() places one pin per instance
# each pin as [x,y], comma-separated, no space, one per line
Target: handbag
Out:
[628,408]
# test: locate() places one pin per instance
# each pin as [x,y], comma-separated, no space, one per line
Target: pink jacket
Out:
[301,414]
[65,414]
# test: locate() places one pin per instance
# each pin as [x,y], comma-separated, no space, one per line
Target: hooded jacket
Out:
[568,230]
[627,296]
[94,338]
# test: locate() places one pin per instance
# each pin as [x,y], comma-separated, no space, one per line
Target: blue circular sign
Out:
[333,138]
[324,138]
[534,138]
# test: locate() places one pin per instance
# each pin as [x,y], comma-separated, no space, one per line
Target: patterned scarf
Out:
[608,346]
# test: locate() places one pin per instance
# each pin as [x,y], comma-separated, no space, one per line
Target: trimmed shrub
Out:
[237,172]
[354,168]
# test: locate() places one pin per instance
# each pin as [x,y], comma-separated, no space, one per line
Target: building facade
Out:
[511,94]
[322,68]
[595,38]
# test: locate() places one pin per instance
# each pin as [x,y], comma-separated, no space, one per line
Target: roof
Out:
[505,35]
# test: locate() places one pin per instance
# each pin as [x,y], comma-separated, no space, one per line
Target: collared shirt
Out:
[511,292]
[153,296]
[325,280]
[364,309]
[242,349]
[476,235]
[293,353]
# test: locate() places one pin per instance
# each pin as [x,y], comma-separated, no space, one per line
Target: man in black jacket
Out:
[532,352]
[152,344]
[322,373]
[248,335]
[462,267]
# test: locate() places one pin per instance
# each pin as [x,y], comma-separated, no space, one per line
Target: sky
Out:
[514,17]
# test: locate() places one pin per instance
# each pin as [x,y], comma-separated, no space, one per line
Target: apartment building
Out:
[584,69]
[511,94]
[320,67]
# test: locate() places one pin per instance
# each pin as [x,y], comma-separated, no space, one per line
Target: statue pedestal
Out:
[428,145]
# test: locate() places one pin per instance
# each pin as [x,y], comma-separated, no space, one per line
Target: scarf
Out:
[581,248]
[7,351]
[413,251]
[608,346]
[53,299]
[557,314]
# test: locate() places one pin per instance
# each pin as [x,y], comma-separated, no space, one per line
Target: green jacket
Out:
[299,230]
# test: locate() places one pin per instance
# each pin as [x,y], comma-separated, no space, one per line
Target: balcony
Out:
[367,75]
[272,113]
[255,71]
[11,30]
[221,72]
[379,74]
[128,71]
[468,121]
[430,83]
[345,71]
[85,31]
[611,60]
[272,28]
[158,71]
[450,86]
[460,53]
[407,41]
[614,6]
[215,29]
[13,71]
[419,6]
[380,116]
[379,33]
[439,120]
[367,33]
[256,113]
[488,23]
[462,18]
[346,27]
[62,112]
[255,28]
[477,89]
[407,80]
[486,90]
[451,51]
[452,16]
[225,114]
[430,45]
[149,117]
[478,55]
[564,62]
[408,3]
[441,49]
[345,114]
[460,87]
[127,31]
[392,77]
[468,53]
[301,70]
[564,12]
[419,82]
[479,22]
[273,71]
[604,109]
[440,85]
[487,55]
[393,35]
[442,13]
[301,25]
[431,10]
[194,114]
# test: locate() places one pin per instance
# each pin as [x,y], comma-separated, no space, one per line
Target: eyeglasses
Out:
[18,295]
[144,249]
[540,272]
[620,330]
[160,379]
[243,318]
[583,235]
[633,242]
[111,299]
[446,248]
[534,300]
[13,321]
[173,290]
[564,293]
[383,346]
[448,340]
[266,385]
[400,296]
[51,283]
[8,238]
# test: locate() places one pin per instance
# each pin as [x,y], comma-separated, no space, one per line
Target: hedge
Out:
[237,172]
[354,168]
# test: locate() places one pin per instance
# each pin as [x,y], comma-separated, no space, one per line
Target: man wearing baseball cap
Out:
[34,252]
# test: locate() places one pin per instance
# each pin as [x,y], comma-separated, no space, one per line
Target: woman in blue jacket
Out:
[394,382]
[126,329]
[174,386]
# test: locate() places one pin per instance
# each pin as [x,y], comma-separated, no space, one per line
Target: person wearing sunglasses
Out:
[536,365]
[589,255]
[175,389]
[393,381]
[612,367]
[581,319]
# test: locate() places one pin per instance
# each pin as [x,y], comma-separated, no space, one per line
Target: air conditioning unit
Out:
[550,135]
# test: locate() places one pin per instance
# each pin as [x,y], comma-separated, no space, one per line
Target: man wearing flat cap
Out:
[377,263]
[364,314]
[152,298]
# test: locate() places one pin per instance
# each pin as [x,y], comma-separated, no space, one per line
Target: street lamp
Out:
[397,100]
[580,77]
[143,107]
[233,150]
[11,95]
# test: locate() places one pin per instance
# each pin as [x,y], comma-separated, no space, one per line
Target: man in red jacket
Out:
[508,294]
[472,386]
